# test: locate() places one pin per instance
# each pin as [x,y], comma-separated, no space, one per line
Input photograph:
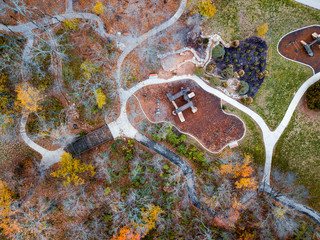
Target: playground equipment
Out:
[187,97]
[307,46]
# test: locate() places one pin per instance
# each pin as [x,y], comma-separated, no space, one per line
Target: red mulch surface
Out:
[301,55]
[205,124]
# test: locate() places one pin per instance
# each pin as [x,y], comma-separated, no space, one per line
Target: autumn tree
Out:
[7,224]
[126,233]
[98,8]
[71,24]
[70,168]
[262,30]
[101,98]
[29,98]
[242,172]
[206,8]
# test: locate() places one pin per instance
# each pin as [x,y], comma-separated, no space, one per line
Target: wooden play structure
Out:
[307,46]
[187,97]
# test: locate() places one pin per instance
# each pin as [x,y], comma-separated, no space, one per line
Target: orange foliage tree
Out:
[126,234]
[241,172]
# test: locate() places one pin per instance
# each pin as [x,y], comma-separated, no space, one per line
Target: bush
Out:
[235,60]
[235,43]
[236,75]
[246,66]
[254,47]
[243,88]
[242,56]
[256,53]
[263,58]
[205,40]
[209,68]
[226,60]
[251,68]
[227,72]
[256,63]
[260,49]
[228,54]
[218,51]
[313,96]
[224,84]
[247,45]
[234,55]
[199,71]
[249,58]
[248,51]
[215,82]
[246,101]
[238,49]
[241,73]
[249,73]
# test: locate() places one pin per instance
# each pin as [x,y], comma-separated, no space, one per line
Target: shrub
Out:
[218,51]
[260,49]
[246,101]
[248,51]
[236,75]
[247,45]
[257,71]
[234,55]
[251,68]
[242,56]
[237,65]
[249,73]
[209,68]
[249,58]
[199,71]
[228,54]
[262,64]
[256,63]
[226,60]
[246,66]
[235,60]
[235,43]
[205,40]
[224,84]
[256,53]
[243,88]
[206,8]
[227,72]
[254,47]
[313,96]
[215,82]
[199,41]
[238,49]
[263,58]
[241,73]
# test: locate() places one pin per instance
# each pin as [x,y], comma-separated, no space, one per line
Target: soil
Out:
[204,125]
[301,55]
[238,57]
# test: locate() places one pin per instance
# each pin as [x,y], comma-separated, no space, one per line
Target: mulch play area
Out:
[291,47]
[210,125]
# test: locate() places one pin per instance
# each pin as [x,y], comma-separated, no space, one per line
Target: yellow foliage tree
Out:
[98,8]
[206,8]
[89,68]
[28,97]
[70,168]
[150,215]
[100,97]
[262,30]
[72,24]
[126,234]
[8,225]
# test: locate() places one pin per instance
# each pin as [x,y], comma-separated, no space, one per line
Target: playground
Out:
[291,47]
[213,128]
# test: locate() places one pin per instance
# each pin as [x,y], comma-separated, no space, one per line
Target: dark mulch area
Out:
[205,124]
[291,51]
[239,58]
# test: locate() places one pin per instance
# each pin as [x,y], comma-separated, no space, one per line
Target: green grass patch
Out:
[298,151]
[252,143]
[238,19]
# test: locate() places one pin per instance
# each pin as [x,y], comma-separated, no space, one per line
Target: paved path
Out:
[311,3]
[48,157]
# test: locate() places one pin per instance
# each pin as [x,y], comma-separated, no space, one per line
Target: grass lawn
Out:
[239,19]
[252,143]
[298,151]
